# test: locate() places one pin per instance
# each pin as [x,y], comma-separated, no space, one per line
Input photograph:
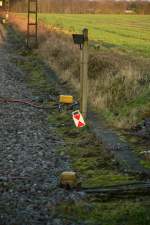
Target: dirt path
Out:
[30,165]
[121,150]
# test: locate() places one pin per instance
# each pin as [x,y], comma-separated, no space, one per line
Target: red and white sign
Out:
[78,119]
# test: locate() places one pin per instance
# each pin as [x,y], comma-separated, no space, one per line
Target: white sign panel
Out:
[78,119]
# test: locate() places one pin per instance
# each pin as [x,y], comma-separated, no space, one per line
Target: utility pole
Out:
[6,10]
[4,4]
[32,24]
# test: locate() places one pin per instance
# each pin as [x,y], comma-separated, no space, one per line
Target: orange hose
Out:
[21,101]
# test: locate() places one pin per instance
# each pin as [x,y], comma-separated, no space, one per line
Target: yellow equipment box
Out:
[67,99]
[68,178]
[3,21]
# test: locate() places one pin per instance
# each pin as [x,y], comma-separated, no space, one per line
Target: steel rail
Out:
[139,188]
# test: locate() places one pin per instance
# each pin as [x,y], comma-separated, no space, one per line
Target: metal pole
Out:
[36,22]
[34,35]
[84,74]
[6,10]
[28,24]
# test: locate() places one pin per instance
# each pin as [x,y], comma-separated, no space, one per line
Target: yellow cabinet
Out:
[66,99]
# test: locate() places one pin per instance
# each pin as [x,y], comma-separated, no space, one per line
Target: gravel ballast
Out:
[30,164]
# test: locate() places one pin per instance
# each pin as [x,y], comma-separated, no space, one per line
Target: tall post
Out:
[6,10]
[84,74]
[36,22]
[28,27]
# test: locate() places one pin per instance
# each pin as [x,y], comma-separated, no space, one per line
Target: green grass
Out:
[128,32]
[113,213]
[93,165]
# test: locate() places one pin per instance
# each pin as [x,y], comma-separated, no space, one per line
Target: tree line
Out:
[84,6]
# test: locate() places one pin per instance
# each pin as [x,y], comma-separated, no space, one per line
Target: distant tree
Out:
[84,6]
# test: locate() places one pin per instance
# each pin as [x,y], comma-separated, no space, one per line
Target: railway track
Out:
[134,189]
[122,190]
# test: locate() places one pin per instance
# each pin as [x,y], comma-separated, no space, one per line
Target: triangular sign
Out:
[80,124]
[77,116]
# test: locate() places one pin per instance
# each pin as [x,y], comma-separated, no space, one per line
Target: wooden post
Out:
[84,74]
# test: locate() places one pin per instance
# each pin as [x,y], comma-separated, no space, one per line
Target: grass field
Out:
[128,32]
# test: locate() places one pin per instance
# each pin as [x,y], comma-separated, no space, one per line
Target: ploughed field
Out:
[126,32]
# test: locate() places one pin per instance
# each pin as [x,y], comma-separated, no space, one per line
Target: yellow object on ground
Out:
[68,99]
[68,178]
[3,21]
